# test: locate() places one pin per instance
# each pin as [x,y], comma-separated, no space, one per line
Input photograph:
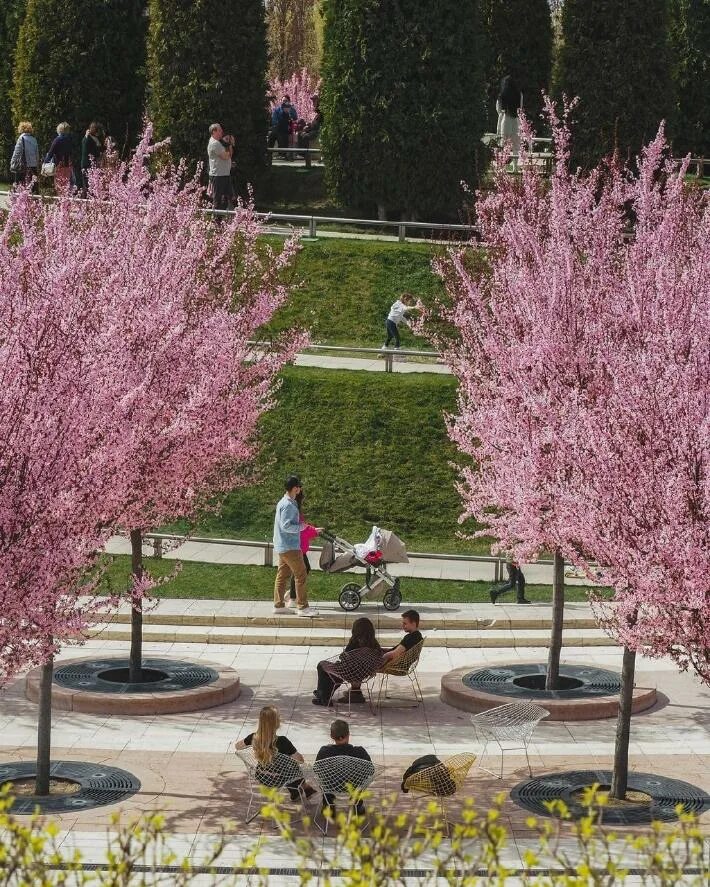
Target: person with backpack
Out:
[24,163]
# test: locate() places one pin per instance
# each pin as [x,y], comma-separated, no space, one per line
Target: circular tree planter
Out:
[100,686]
[586,692]
[87,786]
[650,797]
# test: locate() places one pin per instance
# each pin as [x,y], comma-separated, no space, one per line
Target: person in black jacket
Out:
[341,747]
[516,580]
[60,154]
[92,149]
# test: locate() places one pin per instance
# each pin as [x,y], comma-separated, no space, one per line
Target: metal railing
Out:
[311,222]
[157,540]
[389,355]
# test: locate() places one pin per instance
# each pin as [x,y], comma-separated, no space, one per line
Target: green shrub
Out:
[519,34]
[403,101]
[690,40]
[81,61]
[10,18]
[615,57]
[206,64]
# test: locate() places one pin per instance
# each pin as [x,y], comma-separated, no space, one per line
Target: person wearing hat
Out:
[287,545]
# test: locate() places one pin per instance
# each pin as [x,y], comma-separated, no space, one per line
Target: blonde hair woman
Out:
[266,742]
[24,162]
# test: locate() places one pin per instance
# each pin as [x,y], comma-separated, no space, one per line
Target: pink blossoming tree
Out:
[190,296]
[583,370]
[132,391]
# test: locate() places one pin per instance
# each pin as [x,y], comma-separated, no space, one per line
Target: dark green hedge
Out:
[403,98]
[10,17]
[81,61]
[207,63]
[690,40]
[519,34]
[615,56]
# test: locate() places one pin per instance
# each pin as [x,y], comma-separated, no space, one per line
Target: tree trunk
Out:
[623,726]
[44,728]
[558,613]
[135,664]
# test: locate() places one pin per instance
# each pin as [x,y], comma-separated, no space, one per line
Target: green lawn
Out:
[370,448]
[222,582]
[342,289]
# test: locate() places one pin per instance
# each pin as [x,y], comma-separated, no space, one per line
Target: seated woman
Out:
[266,743]
[359,660]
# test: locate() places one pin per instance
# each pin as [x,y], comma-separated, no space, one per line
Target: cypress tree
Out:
[10,18]
[403,99]
[207,63]
[81,61]
[615,57]
[519,35]
[690,41]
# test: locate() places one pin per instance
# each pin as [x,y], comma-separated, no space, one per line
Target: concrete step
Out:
[523,618]
[314,633]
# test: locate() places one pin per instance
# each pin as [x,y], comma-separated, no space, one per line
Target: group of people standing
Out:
[66,162]
[290,130]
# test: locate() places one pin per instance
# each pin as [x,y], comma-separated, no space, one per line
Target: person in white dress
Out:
[508,104]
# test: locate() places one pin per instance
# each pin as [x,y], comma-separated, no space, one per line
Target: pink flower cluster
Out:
[584,369]
[300,86]
[130,390]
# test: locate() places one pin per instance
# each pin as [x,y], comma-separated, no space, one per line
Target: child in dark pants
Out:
[308,533]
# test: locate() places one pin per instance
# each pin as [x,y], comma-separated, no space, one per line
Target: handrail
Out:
[388,354]
[312,222]
[267,547]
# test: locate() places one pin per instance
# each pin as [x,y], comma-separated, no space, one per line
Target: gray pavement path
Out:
[224,552]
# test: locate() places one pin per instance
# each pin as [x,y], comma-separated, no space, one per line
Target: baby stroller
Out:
[381,548]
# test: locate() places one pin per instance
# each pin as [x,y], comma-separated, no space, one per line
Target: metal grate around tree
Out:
[99,785]
[666,794]
[167,675]
[578,681]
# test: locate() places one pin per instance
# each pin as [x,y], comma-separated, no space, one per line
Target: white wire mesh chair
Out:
[441,781]
[513,723]
[404,667]
[282,772]
[353,667]
[343,778]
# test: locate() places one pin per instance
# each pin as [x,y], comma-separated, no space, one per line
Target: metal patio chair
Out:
[514,722]
[280,773]
[442,781]
[343,778]
[404,667]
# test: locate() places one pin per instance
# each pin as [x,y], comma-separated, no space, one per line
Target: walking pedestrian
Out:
[287,545]
[220,149]
[92,149]
[398,314]
[509,102]
[516,580]
[60,154]
[281,118]
[24,163]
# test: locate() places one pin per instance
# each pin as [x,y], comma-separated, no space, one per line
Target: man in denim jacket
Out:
[287,545]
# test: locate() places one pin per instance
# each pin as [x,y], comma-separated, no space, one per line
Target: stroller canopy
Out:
[392,548]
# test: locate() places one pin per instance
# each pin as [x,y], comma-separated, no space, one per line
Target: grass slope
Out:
[229,582]
[370,448]
[342,289]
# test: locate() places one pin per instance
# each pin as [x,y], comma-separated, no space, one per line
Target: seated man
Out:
[341,747]
[412,636]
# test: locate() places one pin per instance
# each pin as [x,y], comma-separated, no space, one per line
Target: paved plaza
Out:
[188,770]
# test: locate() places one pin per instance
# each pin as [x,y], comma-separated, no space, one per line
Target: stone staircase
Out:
[445,625]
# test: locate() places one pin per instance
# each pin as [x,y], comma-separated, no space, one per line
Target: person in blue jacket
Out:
[281,118]
[287,545]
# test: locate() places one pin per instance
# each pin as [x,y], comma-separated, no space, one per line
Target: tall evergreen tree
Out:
[615,57]
[81,61]
[207,63]
[519,35]
[403,99]
[690,41]
[10,19]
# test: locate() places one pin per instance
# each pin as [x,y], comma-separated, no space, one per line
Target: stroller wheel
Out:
[350,596]
[393,598]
